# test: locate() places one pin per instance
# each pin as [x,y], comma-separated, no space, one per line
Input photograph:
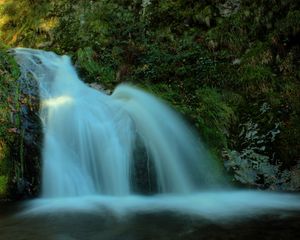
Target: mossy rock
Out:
[19,133]
[9,122]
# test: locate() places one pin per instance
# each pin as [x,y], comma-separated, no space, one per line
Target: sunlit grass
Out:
[3,19]
[48,24]
[26,23]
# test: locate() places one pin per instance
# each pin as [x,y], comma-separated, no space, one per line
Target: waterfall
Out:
[90,138]
[101,152]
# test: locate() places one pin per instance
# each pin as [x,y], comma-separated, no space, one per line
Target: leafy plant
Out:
[252,165]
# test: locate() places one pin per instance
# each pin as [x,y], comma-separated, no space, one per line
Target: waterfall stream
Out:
[90,137]
[95,143]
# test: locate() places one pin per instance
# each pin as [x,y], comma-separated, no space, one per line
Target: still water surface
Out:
[80,225]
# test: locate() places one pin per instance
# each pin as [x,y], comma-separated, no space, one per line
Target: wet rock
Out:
[28,158]
[99,87]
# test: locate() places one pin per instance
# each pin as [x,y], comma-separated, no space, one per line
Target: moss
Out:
[257,75]
[259,53]
[8,117]
[92,68]
[19,132]
[213,117]
[217,38]
[232,33]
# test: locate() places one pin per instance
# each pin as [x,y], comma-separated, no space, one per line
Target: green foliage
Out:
[253,166]
[289,111]
[9,93]
[213,117]
[256,75]
[291,24]
[23,22]
[9,119]
[256,159]
[259,54]
[94,69]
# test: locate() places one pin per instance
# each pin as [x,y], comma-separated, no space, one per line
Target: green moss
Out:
[259,53]
[8,117]
[217,38]
[231,33]
[256,75]
[213,117]
[92,68]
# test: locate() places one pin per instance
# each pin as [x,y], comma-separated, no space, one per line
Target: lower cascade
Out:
[119,146]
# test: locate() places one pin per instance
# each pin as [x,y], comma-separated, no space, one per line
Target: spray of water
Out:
[91,139]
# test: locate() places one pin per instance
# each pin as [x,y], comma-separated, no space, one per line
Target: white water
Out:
[90,142]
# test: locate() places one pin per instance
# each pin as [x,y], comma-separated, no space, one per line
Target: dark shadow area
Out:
[144,174]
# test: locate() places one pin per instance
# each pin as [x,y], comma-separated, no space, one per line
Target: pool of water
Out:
[106,225]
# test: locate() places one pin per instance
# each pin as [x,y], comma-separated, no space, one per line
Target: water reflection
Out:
[68,225]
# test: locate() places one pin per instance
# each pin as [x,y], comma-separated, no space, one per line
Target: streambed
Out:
[71,225]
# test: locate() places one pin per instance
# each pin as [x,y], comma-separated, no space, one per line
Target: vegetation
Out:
[19,133]
[231,67]
[9,119]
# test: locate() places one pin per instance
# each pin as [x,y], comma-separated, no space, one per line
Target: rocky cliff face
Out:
[20,132]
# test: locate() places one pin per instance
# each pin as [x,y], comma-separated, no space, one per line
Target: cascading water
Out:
[90,137]
[91,140]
